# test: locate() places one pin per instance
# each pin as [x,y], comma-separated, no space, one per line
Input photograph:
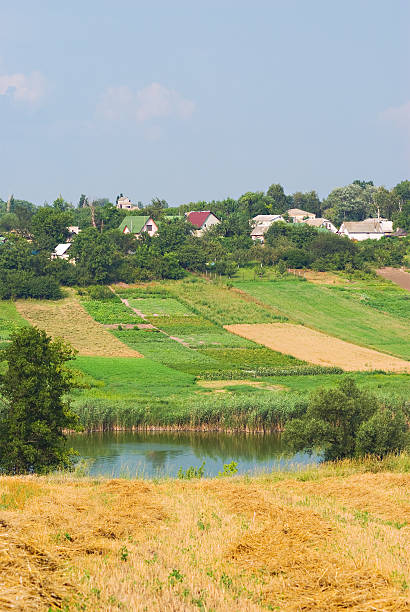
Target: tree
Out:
[307,201]
[350,203]
[35,413]
[346,422]
[83,201]
[50,227]
[278,200]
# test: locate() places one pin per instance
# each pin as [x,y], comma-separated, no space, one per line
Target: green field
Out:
[10,320]
[110,312]
[336,312]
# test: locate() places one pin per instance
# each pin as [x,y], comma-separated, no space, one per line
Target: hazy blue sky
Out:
[201,99]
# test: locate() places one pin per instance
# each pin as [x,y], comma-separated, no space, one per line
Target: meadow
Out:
[239,543]
[335,312]
[10,321]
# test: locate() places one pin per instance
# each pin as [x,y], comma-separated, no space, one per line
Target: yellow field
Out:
[316,347]
[327,539]
[67,319]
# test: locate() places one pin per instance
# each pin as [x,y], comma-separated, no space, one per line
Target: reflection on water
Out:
[163,453]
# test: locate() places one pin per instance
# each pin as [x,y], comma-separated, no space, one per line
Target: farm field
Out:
[329,310]
[67,319]
[10,320]
[164,545]
[319,348]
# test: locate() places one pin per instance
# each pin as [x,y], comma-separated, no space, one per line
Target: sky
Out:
[192,100]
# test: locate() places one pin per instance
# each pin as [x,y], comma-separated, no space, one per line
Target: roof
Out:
[198,217]
[316,222]
[363,227]
[61,249]
[259,230]
[266,218]
[297,212]
[134,223]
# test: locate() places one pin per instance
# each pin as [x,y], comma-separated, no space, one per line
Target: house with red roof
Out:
[202,220]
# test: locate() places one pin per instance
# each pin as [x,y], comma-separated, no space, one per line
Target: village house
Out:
[296,215]
[138,224]
[369,229]
[61,251]
[321,223]
[125,203]
[201,220]
[261,224]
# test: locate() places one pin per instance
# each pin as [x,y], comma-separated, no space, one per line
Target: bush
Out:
[23,284]
[383,432]
[347,422]
[101,292]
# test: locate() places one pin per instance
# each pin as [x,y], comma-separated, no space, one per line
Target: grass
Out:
[159,306]
[110,312]
[249,358]
[219,304]
[198,332]
[330,310]
[10,321]
[326,538]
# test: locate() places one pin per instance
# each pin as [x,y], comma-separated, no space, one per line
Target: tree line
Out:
[103,254]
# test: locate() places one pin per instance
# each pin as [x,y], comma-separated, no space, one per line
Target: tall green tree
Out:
[50,227]
[34,412]
[347,422]
[278,201]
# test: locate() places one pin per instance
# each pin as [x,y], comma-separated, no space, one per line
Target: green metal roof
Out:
[134,223]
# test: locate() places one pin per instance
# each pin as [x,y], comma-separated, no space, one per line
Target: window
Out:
[149,228]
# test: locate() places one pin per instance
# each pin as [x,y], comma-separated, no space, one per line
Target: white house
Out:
[61,251]
[73,230]
[297,215]
[372,229]
[136,224]
[320,222]
[261,224]
[125,203]
[201,220]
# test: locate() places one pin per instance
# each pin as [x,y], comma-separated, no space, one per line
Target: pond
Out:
[155,454]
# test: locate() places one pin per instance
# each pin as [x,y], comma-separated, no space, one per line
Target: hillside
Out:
[328,538]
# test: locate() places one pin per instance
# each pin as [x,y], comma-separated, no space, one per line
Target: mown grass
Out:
[330,310]
[323,538]
[110,312]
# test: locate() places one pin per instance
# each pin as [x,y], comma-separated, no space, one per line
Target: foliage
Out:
[191,472]
[346,422]
[229,469]
[35,412]
[49,226]
[101,292]
[23,284]
[110,312]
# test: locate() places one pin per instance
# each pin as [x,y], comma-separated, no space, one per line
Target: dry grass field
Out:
[67,319]
[316,347]
[330,538]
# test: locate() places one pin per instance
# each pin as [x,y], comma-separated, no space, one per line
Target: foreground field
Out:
[316,347]
[330,538]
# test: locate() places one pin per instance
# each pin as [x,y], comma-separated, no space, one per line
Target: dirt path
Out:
[318,348]
[396,275]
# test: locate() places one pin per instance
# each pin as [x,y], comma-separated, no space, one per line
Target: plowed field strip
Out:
[318,348]
[67,319]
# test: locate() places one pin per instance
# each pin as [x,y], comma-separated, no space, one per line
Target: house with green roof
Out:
[136,224]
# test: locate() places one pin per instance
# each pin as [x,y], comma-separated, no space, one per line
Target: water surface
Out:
[152,454]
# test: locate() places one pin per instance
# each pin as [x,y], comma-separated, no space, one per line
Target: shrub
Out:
[101,292]
[346,422]
[23,284]
[383,432]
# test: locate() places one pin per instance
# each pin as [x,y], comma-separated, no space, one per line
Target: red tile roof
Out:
[198,217]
